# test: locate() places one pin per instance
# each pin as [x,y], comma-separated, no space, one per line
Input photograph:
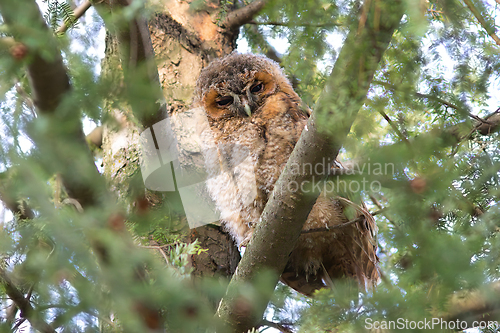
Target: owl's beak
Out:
[244,106]
[248,110]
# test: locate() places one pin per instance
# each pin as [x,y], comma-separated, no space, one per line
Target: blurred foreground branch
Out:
[48,98]
[489,29]
[77,13]
[285,213]
[27,311]
[475,306]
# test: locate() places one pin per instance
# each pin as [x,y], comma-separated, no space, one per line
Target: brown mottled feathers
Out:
[255,119]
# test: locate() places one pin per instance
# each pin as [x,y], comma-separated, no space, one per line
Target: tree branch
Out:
[395,128]
[282,327]
[289,24]
[23,304]
[77,13]
[490,124]
[478,305]
[43,69]
[243,15]
[138,61]
[489,29]
[420,95]
[486,126]
[286,211]
[266,48]
[40,70]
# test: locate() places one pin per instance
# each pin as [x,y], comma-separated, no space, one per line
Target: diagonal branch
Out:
[490,124]
[47,67]
[489,29]
[77,13]
[265,47]
[138,60]
[286,211]
[243,15]
[395,128]
[290,24]
[23,304]
[420,95]
[282,327]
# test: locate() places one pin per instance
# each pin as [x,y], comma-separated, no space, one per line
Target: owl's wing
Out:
[305,109]
[359,241]
[352,257]
[347,251]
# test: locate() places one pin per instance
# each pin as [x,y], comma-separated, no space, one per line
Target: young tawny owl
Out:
[255,119]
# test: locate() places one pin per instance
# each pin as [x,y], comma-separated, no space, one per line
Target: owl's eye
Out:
[224,101]
[256,88]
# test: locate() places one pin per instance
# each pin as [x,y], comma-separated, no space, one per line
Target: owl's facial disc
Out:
[218,106]
[240,99]
[230,103]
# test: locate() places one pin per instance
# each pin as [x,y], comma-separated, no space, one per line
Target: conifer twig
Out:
[77,13]
[290,24]
[23,303]
[482,21]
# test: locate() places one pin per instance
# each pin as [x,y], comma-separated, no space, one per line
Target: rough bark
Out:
[184,41]
[285,212]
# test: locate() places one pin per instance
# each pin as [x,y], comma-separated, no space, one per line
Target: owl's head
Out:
[238,85]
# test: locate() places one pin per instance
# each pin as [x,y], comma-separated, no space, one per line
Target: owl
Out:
[255,118]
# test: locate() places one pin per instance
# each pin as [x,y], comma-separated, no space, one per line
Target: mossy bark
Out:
[184,41]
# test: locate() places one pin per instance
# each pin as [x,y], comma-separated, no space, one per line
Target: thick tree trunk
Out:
[184,42]
[185,39]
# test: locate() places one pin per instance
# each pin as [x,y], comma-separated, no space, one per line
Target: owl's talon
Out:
[245,242]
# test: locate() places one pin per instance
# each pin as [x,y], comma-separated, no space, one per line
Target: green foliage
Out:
[436,72]
[59,13]
[437,197]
